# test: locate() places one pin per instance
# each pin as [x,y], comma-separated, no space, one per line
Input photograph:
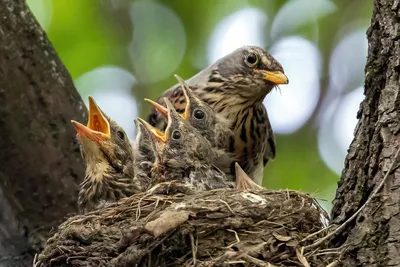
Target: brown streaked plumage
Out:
[108,155]
[184,155]
[235,87]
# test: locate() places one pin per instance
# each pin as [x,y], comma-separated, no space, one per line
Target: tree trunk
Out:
[40,161]
[373,239]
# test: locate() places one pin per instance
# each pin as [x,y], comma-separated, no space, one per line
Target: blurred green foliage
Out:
[90,33]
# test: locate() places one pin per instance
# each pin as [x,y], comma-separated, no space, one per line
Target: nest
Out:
[210,228]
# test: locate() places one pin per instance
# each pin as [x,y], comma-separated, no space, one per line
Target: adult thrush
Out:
[183,154]
[235,87]
[108,155]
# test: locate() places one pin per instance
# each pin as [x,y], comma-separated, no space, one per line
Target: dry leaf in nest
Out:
[211,228]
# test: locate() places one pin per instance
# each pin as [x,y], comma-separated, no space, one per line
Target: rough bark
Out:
[40,161]
[373,239]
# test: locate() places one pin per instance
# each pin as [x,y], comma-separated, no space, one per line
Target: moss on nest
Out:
[211,228]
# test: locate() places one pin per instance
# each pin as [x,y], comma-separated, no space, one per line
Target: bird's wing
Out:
[270,150]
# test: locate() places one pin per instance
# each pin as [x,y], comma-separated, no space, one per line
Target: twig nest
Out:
[211,228]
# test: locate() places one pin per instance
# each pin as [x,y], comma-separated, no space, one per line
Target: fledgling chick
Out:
[202,117]
[183,154]
[209,124]
[108,155]
[143,154]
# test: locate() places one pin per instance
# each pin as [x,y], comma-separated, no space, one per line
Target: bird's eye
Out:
[120,134]
[199,114]
[176,135]
[251,60]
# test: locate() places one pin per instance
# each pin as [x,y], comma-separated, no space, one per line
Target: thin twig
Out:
[156,203]
[34,260]
[194,249]
[301,258]
[236,262]
[138,210]
[327,253]
[236,236]
[314,252]
[333,264]
[325,238]
[256,262]
[315,233]
[227,205]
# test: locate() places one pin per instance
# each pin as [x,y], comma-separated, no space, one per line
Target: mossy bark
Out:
[373,239]
[40,161]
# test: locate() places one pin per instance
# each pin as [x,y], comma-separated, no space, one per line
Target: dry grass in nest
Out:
[211,228]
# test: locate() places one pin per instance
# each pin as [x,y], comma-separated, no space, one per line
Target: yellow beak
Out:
[276,77]
[95,136]
[98,128]
[156,133]
[164,111]
[97,121]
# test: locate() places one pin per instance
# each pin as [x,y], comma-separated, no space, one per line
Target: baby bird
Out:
[143,150]
[144,155]
[108,155]
[183,154]
[208,123]
[202,117]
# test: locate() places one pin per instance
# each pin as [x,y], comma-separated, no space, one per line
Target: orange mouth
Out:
[97,120]
[160,108]
[95,136]
[98,128]
[161,137]
[185,89]
[164,111]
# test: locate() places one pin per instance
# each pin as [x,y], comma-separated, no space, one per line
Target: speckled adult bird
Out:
[108,155]
[235,87]
[202,117]
[183,154]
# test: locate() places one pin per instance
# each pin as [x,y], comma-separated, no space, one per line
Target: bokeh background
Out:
[120,51]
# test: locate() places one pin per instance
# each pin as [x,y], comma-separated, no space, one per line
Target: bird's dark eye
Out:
[199,114]
[120,134]
[176,135]
[251,60]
